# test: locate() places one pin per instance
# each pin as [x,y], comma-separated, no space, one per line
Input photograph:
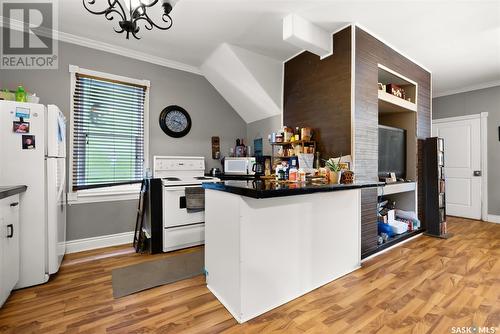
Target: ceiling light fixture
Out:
[131,13]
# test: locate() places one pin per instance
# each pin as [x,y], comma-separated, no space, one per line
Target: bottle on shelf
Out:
[297,133]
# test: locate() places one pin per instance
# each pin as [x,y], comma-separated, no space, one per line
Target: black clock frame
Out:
[163,124]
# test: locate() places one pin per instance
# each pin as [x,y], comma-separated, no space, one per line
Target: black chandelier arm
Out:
[168,21]
[148,24]
[117,2]
[111,5]
[109,14]
[135,36]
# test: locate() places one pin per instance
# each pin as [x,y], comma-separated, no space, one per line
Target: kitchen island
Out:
[268,243]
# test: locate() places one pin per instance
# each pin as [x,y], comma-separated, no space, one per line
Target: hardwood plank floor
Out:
[426,285]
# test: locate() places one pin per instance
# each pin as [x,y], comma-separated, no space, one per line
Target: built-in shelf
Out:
[392,241]
[296,142]
[388,103]
[396,188]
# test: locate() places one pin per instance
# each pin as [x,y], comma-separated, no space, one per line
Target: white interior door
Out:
[462,161]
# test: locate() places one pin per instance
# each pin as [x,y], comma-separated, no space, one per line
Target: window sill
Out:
[108,194]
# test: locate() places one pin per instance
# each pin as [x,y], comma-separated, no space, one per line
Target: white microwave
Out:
[239,166]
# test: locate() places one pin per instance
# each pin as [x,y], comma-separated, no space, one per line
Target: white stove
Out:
[181,227]
[195,180]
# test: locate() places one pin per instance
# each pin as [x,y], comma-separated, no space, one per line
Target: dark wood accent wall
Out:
[369,228]
[369,53]
[317,93]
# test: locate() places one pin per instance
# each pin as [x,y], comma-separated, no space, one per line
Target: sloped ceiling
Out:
[250,82]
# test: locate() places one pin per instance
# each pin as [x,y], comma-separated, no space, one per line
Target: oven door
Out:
[174,208]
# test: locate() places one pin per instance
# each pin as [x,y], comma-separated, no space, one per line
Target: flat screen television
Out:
[391,151]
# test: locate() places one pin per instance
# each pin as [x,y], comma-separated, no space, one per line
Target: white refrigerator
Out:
[33,153]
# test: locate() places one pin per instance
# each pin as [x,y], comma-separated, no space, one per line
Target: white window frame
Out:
[112,193]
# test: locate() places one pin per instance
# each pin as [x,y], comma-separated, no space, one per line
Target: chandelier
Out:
[131,13]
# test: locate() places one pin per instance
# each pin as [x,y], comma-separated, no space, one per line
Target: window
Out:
[108,134]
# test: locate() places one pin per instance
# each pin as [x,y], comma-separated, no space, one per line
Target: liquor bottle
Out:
[297,133]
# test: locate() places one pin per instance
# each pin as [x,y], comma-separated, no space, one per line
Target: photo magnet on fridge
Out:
[28,142]
[20,127]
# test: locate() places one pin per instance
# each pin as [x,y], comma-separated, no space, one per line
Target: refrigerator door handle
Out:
[63,183]
[10,231]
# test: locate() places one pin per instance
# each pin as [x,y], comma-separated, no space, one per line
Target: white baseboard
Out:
[494,219]
[80,245]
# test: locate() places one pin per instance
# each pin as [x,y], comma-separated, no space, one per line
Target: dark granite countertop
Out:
[6,191]
[226,177]
[267,189]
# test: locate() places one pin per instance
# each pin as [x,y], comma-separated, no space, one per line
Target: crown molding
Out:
[111,48]
[468,88]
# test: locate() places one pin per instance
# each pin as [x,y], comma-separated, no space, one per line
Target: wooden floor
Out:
[427,285]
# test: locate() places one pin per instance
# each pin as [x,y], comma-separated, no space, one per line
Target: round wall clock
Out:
[175,121]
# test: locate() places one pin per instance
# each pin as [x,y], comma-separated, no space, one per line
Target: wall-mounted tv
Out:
[391,151]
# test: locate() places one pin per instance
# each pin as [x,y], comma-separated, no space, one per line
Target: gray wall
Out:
[475,102]
[261,129]
[210,113]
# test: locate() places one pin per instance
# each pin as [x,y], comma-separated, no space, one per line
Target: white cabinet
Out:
[9,245]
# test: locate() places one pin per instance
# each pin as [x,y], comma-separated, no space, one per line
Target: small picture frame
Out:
[344,165]
[28,142]
[20,127]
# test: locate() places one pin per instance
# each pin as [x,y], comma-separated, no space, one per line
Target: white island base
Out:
[262,253]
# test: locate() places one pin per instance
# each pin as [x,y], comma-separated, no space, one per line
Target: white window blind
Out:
[108,132]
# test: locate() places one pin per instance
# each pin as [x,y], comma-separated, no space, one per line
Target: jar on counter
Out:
[292,174]
[302,175]
[282,174]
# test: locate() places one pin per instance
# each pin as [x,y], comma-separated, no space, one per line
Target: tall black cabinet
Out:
[435,196]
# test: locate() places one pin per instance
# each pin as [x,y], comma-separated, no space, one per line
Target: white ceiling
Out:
[458,41]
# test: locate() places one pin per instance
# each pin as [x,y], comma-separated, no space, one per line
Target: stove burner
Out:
[203,178]
[171,179]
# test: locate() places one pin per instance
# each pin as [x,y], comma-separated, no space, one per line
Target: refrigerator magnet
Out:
[28,142]
[20,127]
[23,112]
